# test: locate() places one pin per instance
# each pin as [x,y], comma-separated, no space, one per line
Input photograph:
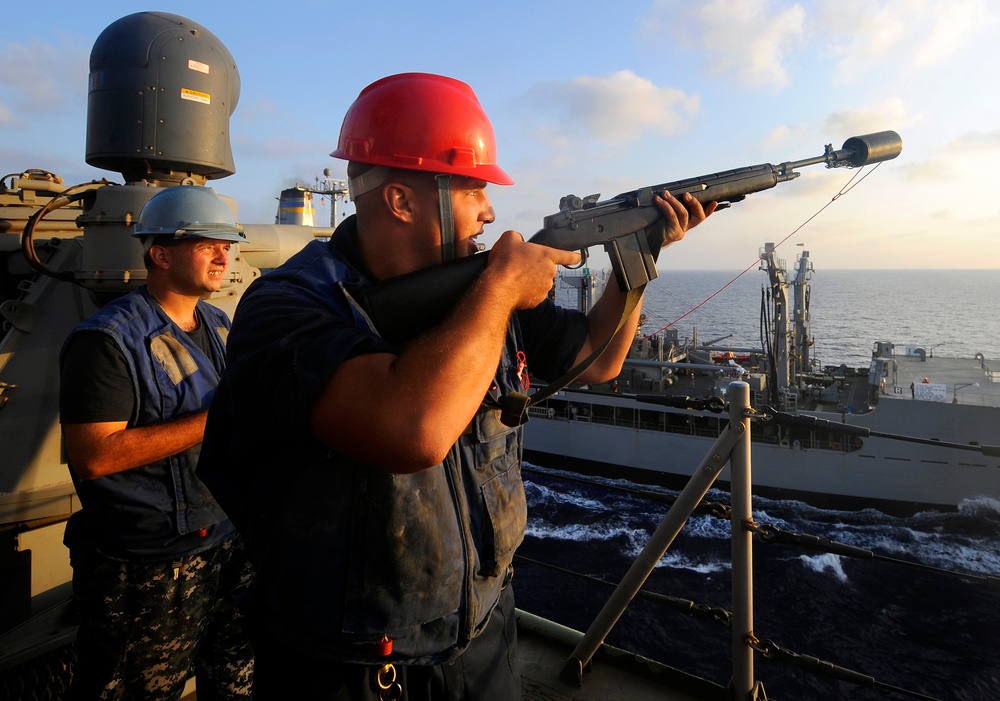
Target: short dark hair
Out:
[165,241]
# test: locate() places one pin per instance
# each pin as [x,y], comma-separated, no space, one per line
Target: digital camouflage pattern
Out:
[146,628]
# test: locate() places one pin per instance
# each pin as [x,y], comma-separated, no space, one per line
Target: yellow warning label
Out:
[195,96]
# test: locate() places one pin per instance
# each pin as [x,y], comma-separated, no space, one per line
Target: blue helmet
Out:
[189,211]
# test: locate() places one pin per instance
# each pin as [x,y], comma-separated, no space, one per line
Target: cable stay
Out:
[770,651]
[685,606]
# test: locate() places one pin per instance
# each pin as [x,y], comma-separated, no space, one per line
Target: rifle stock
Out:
[628,226]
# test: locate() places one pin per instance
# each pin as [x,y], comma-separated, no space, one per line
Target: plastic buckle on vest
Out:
[513,408]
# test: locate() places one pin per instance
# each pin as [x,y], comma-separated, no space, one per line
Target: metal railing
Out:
[733,448]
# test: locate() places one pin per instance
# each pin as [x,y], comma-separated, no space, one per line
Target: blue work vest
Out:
[345,553]
[158,511]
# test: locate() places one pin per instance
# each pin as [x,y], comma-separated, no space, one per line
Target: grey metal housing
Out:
[161,91]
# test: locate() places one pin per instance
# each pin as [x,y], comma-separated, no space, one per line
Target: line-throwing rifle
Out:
[629,226]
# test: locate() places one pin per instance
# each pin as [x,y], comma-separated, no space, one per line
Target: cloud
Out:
[976,142]
[958,164]
[792,133]
[960,168]
[617,108]
[749,40]
[950,26]
[888,113]
[932,170]
[862,33]
[923,33]
[260,110]
[885,114]
[280,147]
[42,77]
[756,42]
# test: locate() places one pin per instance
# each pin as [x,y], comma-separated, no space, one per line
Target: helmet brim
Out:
[208,233]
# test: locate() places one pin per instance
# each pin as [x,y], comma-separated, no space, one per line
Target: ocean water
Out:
[954,313]
[931,632]
[909,619]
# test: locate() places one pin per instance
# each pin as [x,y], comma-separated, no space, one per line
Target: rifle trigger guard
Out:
[582,263]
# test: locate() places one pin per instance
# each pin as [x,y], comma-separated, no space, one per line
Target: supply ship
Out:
[834,436]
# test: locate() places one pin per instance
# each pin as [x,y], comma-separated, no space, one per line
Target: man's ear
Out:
[160,256]
[400,201]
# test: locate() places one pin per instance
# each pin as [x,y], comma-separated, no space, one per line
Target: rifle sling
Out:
[514,406]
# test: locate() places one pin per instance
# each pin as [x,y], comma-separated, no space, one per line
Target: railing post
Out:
[677,515]
[742,545]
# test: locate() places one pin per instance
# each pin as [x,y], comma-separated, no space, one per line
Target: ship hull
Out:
[619,436]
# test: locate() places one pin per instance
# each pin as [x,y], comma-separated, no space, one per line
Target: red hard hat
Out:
[420,121]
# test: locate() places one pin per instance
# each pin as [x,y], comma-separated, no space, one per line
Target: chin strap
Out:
[514,406]
[367,181]
[447,219]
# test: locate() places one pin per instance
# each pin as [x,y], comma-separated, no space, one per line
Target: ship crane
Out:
[791,351]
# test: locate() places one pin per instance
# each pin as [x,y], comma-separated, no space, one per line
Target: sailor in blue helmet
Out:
[380,496]
[157,565]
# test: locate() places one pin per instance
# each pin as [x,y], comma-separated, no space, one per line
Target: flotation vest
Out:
[160,510]
[344,553]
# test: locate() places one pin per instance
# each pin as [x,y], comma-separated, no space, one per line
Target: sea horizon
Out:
[951,313]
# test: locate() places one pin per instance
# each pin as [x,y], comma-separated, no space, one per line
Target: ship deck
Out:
[614,675]
[544,648]
[963,380]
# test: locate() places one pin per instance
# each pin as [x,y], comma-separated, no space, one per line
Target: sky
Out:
[597,98]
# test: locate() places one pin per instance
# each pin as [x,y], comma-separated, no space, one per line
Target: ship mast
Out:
[803,342]
[791,340]
[780,367]
[332,188]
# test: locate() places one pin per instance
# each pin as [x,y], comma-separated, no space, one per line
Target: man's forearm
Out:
[602,321]
[101,449]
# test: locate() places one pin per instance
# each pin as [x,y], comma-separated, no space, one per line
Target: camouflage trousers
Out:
[146,628]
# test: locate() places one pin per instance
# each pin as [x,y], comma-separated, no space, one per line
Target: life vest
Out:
[344,553]
[160,510]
